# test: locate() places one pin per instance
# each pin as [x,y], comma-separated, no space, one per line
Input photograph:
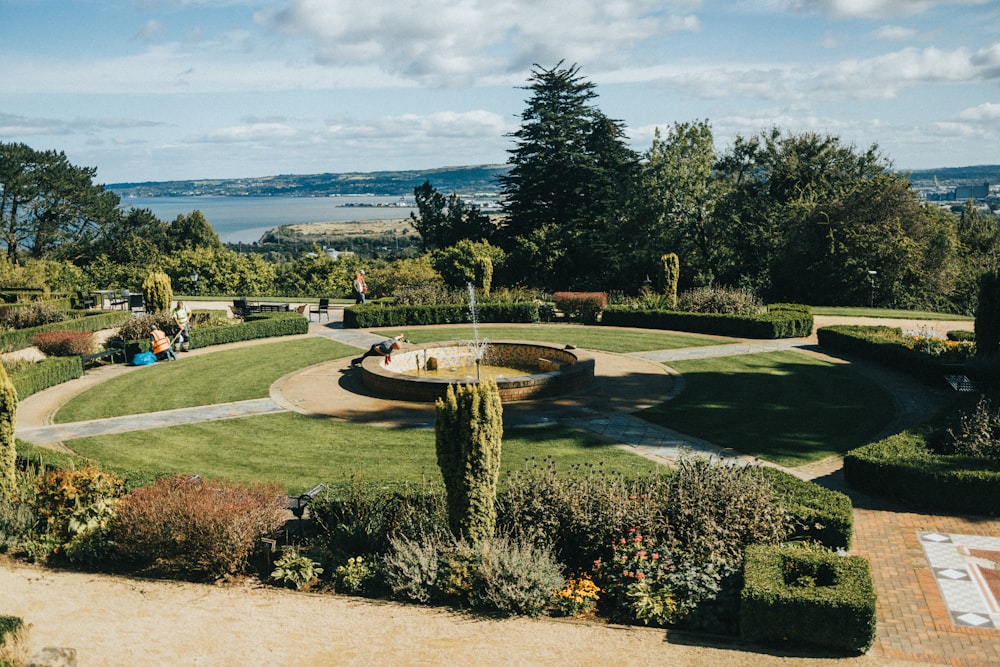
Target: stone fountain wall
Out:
[559,370]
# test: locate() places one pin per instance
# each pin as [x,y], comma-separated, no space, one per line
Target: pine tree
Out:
[468,434]
[8,452]
[570,178]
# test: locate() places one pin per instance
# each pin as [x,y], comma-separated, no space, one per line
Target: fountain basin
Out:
[549,370]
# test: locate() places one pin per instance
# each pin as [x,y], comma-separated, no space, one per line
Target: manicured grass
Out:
[298,451]
[846,311]
[785,407]
[606,339]
[219,377]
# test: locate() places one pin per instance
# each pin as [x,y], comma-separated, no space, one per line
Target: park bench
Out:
[110,352]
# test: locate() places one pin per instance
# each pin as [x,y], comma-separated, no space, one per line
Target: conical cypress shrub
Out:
[468,435]
[8,417]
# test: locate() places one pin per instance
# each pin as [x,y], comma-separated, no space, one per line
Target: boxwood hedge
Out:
[903,467]
[809,597]
[375,315]
[783,321]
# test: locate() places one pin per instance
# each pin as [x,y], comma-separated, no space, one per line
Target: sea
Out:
[246,219]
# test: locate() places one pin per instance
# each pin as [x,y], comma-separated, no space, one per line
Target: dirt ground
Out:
[116,621]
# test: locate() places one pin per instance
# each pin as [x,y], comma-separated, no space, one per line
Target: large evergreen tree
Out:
[568,186]
[49,206]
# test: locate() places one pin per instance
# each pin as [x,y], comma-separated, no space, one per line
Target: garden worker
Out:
[160,344]
[181,315]
[360,287]
[383,349]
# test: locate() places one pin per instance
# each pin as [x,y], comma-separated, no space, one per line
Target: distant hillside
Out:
[466,181]
[975,175]
[463,180]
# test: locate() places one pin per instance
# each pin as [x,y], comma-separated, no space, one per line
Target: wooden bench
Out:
[110,352]
[271,307]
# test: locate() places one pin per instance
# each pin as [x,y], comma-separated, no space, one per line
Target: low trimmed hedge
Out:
[903,467]
[807,597]
[20,339]
[46,373]
[263,325]
[376,315]
[820,515]
[782,322]
[881,344]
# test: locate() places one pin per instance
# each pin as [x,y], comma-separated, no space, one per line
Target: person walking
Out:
[181,316]
[360,287]
[382,349]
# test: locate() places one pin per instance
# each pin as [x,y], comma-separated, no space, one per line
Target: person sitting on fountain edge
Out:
[384,349]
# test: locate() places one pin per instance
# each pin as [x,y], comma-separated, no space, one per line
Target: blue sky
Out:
[176,89]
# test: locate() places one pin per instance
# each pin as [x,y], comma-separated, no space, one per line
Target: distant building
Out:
[961,193]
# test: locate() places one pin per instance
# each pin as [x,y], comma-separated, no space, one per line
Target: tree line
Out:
[790,217]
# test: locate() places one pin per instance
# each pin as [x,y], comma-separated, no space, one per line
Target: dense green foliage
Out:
[807,596]
[905,467]
[8,450]
[468,432]
[157,292]
[988,316]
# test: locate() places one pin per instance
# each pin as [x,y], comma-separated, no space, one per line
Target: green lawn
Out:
[298,451]
[219,377]
[785,407]
[605,339]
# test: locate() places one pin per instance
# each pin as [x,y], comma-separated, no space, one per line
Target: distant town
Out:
[479,184]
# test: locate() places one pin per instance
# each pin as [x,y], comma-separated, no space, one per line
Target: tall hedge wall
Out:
[375,315]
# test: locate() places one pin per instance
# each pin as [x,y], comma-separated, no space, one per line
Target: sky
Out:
[153,90]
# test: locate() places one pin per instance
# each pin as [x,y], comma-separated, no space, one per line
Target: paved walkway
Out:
[915,620]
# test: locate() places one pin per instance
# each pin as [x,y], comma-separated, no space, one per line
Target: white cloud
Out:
[872,9]
[252,132]
[987,112]
[459,43]
[894,33]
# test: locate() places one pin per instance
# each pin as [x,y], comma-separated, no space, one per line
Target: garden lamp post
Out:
[871,283]
[194,281]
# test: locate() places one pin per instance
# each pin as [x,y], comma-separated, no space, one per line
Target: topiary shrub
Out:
[8,451]
[583,306]
[807,596]
[468,434]
[671,276]
[157,292]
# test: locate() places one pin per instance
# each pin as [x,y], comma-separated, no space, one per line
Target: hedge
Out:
[375,315]
[881,344]
[903,467]
[263,325]
[20,339]
[819,514]
[782,322]
[838,612]
[46,373]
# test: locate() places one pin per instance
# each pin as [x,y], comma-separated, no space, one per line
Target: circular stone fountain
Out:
[530,370]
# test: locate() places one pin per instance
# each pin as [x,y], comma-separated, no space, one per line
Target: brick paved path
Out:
[913,622]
